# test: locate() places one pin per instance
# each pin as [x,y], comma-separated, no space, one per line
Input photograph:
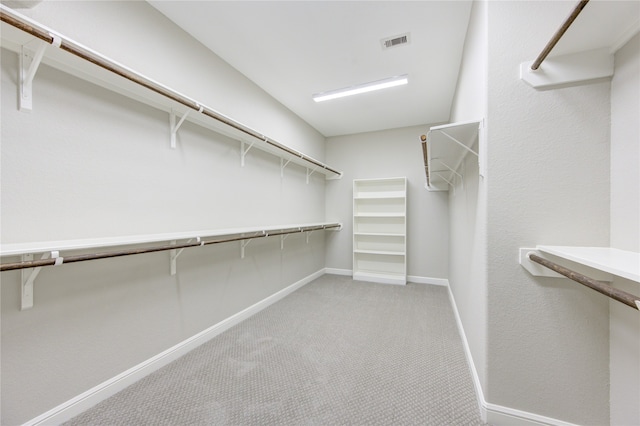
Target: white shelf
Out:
[625,264]
[83,244]
[446,148]
[382,252]
[377,234]
[379,230]
[380,195]
[379,215]
[387,278]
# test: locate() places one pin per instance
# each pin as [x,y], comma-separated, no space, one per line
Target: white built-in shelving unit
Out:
[380,230]
[445,148]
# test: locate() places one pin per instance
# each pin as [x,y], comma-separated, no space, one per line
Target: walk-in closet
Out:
[320,212]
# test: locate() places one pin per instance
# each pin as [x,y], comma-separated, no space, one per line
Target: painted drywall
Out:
[467,201]
[625,231]
[390,153]
[548,183]
[88,163]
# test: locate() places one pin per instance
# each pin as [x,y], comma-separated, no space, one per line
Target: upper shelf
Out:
[83,244]
[75,59]
[445,148]
[625,264]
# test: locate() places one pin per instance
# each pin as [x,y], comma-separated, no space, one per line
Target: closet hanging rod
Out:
[558,35]
[20,22]
[425,156]
[128,252]
[614,293]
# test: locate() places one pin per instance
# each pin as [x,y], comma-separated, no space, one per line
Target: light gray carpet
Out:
[335,352]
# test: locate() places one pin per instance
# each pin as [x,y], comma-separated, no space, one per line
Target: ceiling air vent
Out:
[395,41]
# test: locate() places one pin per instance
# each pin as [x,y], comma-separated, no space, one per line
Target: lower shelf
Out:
[383,278]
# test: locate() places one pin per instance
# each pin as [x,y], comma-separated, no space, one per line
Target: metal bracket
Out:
[282,238]
[174,127]
[243,244]
[29,63]
[174,254]
[243,152]
[29,275]
[459,143]
[309,173]
[453,171]
[444,178]
[282,166]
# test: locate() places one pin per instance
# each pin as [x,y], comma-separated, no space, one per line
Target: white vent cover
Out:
[395,41]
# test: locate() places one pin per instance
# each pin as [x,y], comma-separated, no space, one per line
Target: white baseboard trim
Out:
[494,414]
[410,278]
[428,280]
[498,415]
[335,271]
[75,406]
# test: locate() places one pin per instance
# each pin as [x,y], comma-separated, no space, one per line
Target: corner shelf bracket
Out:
[460,176]
[29,63]
[459,143]
[444,179]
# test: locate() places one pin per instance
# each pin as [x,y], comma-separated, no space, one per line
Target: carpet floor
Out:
[334,352]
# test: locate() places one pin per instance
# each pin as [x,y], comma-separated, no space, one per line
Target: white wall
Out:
[467,203]
[389,153]
[548,183]
[625,230]
[90,163]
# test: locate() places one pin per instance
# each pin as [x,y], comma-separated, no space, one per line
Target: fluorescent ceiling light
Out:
[398,80]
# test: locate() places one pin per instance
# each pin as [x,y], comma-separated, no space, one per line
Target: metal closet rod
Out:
[129,252]
[425,156]
[558,35]
[79,51]
[614,293]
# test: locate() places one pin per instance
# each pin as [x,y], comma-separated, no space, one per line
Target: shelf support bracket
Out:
[282,166]
[282,238]
[308,234]
[243,152]
[310,172]
[174,254]
[459,143]
[444,179]
[444,164]
[243,244]
[174,127]
[451,169]
[29,63]
[29,275]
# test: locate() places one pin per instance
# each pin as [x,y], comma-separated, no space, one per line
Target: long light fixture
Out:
[398,80]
